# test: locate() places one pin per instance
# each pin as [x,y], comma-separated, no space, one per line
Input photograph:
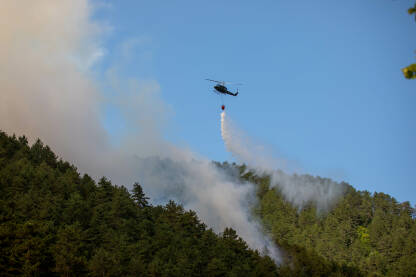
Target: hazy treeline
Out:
[371,232]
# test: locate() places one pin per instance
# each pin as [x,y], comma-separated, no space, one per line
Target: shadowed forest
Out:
[55,222]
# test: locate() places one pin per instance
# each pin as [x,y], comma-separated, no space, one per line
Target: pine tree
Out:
[139,196]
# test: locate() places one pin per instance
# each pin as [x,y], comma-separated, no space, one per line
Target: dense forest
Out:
[55,222]
[373,233]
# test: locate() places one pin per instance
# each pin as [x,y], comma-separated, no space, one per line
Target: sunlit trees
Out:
[410,71]
[371,234]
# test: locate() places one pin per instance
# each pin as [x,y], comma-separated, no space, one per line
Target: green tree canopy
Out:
[53,222]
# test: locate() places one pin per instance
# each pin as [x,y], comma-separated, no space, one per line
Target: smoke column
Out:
[48,90]
[217,197]
[298,189]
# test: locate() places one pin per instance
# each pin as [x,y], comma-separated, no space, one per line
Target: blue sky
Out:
[322,80]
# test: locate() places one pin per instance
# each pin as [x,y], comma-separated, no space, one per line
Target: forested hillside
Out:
[372,232]
[54,222]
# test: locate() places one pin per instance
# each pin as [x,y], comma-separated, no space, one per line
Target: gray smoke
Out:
[218,199]
[298,189]
[47,90]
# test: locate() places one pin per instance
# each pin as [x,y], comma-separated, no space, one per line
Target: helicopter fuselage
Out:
[223,89]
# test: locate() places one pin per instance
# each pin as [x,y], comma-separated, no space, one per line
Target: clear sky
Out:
[322,81]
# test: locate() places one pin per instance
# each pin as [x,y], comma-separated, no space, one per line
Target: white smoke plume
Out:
[245,150]
[219,200]
[47,90]
[298,189]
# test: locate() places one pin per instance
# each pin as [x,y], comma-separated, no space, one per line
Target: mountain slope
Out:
[374,233]
[55,222]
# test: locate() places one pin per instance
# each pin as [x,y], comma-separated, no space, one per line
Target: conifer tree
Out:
[139,196]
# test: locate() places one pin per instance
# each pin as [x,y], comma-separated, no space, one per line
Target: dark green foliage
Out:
[138,196]
[409,72]
[53,222]
[371,234]
[412,10]
[302,262]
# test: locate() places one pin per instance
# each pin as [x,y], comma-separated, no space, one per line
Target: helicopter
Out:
[221,88]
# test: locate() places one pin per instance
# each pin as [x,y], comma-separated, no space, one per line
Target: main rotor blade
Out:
[225,83]
[219,82]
